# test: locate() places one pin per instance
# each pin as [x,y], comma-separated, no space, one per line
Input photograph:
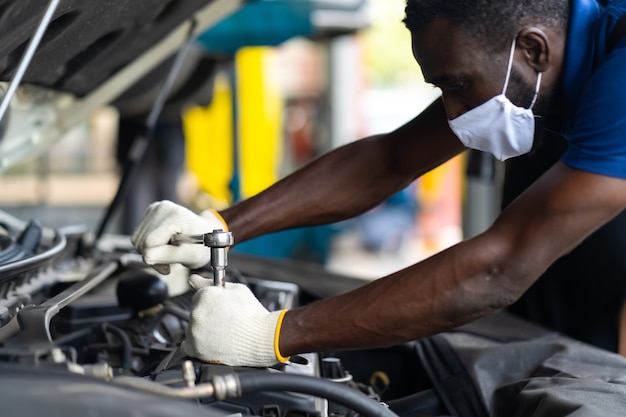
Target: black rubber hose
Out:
[126,343]
[332,391]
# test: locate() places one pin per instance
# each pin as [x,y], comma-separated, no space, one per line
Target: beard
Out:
[521,94]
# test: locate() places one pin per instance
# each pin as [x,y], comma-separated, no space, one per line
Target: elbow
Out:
[503,277]
[508,281]
[504,292]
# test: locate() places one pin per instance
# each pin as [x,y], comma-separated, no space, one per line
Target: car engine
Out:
[90,328]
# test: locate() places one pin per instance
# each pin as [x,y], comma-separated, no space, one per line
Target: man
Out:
[496,63]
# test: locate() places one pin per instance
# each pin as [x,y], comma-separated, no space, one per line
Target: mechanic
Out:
[505,68]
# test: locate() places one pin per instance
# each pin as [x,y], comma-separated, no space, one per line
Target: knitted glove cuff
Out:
[257,344]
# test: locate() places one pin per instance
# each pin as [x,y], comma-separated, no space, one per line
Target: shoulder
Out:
[596,129]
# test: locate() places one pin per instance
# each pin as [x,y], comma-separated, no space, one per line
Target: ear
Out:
[536,47]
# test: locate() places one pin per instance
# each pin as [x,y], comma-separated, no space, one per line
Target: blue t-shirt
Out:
[594,87]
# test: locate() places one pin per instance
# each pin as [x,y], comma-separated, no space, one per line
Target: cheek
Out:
[519,92]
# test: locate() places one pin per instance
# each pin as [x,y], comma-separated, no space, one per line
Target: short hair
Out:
[490,22]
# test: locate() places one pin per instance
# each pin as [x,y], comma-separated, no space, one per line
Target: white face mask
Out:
[498,126]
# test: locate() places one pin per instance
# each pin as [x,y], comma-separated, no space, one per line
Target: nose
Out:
[454,107]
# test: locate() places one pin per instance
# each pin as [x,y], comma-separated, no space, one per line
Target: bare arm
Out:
[468,280]
[349,180]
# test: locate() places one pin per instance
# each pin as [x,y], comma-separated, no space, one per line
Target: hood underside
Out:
[91,52]
[87,41]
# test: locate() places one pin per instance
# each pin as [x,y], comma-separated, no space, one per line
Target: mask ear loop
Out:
[532,103]
[509,66]
[508,76]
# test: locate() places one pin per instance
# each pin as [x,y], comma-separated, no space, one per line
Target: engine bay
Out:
[86,328]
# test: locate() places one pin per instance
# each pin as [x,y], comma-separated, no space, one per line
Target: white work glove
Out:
[164,219]
[230,326]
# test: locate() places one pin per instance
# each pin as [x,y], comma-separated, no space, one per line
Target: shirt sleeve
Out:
[597,132]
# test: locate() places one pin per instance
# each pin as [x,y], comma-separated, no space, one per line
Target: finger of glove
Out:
[163,269]
[157,217]
[210,300]
[143,227]
[162,234]
[164,219]
[198,281]
[190,255]
[189,348]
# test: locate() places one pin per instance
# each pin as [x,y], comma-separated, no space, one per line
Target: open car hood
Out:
[96,52]
[91,52]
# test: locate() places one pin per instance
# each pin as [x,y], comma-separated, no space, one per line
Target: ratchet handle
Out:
[219,241]
[215,239]
[178,239]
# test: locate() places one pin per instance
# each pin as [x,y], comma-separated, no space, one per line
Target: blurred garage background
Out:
[297,82]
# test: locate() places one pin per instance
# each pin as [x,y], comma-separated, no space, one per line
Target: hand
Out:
[165,218]
[230,326]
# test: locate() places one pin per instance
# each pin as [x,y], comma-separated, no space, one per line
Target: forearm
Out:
[424,299]
[334,187]
[468,280]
